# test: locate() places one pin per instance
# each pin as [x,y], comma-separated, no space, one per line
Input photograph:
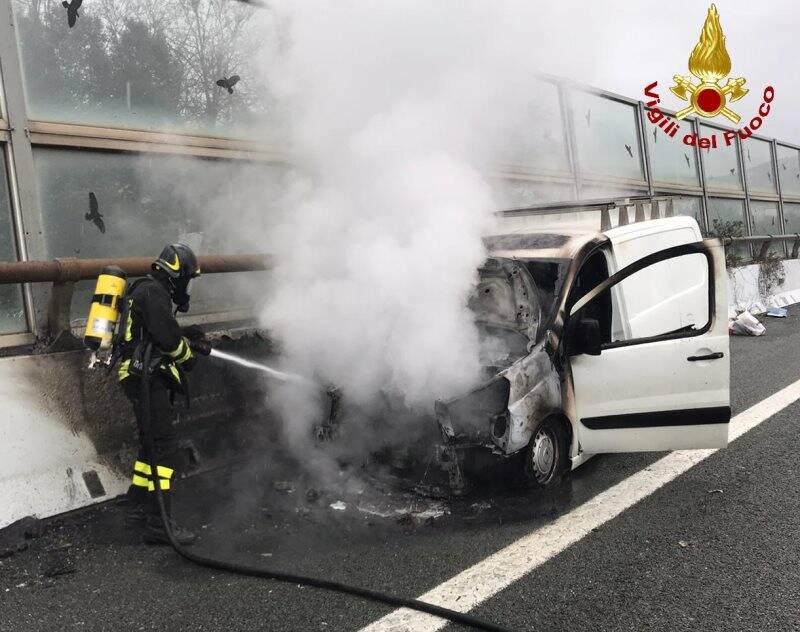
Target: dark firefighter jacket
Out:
[150,316]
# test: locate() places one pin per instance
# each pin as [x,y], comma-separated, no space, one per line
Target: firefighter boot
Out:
[136,508]
[154,532]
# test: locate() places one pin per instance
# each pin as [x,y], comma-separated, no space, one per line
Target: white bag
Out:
[745,324]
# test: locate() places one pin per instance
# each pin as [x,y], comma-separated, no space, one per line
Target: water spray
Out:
[250,364]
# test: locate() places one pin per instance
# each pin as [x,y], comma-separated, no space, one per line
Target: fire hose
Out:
[254,571]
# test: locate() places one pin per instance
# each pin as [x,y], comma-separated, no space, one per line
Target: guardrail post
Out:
[59,330]
[670,211]
[623,215]
[655,210]
[639,216]
[605,220]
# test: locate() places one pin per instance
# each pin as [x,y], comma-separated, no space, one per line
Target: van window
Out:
[667,297]
[593,272]
[548,275]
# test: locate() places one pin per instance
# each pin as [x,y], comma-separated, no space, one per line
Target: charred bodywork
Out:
[518,306]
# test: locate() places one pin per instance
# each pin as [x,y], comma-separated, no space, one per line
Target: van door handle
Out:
[709,356]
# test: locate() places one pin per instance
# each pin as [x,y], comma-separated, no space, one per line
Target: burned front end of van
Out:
[513,305]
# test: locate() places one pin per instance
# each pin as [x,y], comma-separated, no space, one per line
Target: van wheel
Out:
[546,455]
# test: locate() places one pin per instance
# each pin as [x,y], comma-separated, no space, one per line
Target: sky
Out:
[621,46]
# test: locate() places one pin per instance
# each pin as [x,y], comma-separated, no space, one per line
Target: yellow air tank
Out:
[104,312]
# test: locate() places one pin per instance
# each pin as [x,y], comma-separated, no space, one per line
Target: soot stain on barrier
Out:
[90,402]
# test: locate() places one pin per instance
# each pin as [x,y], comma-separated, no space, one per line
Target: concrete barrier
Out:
[744,292]
[68,436]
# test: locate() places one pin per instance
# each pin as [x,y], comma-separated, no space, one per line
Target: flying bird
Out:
[94,214]
[589,117]
[72,11]
[228,83]
[733,171]
[784,166]
[629,150]
[769,176]
[688,164]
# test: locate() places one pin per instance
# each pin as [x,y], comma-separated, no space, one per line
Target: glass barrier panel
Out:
[766,222]
[721,163]
[535,137]
[789,170]
[517,193]
[607,136]
[757,155]
[726,219]
[99,204]
[12,310]
[146,65]
[791,218]
[671,162]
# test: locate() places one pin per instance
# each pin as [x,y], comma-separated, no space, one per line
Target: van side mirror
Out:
[584,337]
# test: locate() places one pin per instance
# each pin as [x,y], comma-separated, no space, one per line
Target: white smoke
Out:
[398,112]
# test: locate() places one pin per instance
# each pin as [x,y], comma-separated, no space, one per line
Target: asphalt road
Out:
[715,549]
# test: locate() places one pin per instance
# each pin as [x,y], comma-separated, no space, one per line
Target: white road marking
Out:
[478,583]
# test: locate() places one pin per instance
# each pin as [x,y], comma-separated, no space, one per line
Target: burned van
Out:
[594,343]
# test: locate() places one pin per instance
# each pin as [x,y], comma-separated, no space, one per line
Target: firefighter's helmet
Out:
[179,264]
[178,261]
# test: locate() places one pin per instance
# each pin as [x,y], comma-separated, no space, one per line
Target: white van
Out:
[593,343]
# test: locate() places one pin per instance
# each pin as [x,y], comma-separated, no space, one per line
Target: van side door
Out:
[656,375]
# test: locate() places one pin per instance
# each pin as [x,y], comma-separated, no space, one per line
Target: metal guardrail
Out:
[766,242]
[604,207]
[71,270]
[638,203]
[65,273]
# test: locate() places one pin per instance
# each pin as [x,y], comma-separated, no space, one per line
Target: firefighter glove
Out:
[201,346]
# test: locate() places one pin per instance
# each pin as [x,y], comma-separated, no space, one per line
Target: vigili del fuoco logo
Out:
[710,64]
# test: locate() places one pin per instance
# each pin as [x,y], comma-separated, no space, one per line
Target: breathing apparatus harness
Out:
[105,335]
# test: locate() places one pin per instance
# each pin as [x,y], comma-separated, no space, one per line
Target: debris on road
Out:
[745,324]
[59,561]
[372,510]
[286,487]
[777,312]
[312,495]
[338,506]
[428,516]
[714,491]
[683,543]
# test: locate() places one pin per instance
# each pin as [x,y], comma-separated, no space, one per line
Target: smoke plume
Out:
[398,112]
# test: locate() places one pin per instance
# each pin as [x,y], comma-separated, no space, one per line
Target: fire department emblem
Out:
[710,63]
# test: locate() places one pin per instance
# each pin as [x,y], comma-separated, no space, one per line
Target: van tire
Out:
[546,456]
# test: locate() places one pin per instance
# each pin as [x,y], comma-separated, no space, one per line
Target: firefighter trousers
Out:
[161,470]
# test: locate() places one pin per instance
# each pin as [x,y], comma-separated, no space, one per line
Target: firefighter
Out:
[150,318]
